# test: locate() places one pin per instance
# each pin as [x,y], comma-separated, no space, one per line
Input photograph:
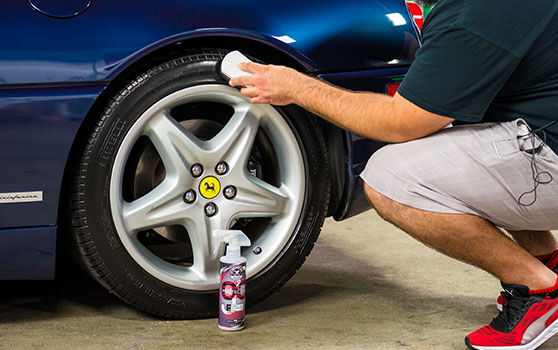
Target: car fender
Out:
[98,43]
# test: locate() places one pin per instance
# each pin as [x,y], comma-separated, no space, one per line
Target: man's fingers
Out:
[242,81]
[249,91]
[259,99]
[251,67]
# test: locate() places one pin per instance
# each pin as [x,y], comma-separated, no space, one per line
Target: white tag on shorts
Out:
[506,147]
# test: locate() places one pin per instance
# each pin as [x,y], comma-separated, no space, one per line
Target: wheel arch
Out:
[273,50]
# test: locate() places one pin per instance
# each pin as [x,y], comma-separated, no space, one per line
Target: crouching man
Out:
[490,66]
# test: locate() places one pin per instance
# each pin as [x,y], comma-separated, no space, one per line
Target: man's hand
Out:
[276,85]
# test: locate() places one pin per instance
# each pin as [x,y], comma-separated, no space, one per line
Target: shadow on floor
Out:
[351,287]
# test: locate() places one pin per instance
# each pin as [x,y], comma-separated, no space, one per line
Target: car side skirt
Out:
[27,253]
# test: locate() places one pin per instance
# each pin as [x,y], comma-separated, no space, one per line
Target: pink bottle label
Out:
[232,296]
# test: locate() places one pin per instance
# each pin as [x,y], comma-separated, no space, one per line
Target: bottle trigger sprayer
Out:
[232,282]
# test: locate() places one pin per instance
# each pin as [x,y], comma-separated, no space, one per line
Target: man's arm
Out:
[372,115]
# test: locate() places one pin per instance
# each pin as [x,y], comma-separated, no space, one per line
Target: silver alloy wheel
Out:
[179,150]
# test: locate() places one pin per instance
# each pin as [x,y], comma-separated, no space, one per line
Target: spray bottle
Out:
[232,283]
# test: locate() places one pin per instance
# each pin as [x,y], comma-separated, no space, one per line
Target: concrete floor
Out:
[366,285]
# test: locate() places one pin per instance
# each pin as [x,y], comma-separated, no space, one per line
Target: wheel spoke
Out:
[206,248]
[235,140]
[178,148]
[161,206]
[257,198]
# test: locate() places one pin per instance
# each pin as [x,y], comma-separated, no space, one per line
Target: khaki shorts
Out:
[479,169]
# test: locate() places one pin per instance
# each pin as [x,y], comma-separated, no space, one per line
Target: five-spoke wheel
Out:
[207,185]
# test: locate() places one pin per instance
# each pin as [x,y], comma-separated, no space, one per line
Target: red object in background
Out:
[392,89]
[416,11]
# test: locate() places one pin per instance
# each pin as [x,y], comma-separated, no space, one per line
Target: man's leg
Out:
[536,242]
[468,238]
[450,190]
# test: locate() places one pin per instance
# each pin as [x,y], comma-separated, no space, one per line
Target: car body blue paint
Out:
[94,46]
[60,8]
[52,70]
[38,126]
[27,253]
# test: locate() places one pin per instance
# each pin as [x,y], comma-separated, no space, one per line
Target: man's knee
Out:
[387,163]
[382,204]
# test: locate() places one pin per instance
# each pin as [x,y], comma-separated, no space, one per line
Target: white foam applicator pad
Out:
[229,65]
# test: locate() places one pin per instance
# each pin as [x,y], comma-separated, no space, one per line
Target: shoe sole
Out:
[535,343]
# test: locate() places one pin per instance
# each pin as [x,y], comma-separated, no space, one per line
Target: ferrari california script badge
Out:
[18,197]
[210,187]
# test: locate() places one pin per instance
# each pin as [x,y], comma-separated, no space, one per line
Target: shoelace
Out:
[535,173]
[512,310]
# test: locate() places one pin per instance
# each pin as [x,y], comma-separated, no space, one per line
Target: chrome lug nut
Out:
[196,170]
[221,168]
[189,196]
[229,192]
[210,209]
[257,250]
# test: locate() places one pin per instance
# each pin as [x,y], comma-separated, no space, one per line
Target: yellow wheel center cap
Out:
[210,187]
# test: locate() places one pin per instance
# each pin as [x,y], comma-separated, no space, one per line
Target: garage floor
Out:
[366,285]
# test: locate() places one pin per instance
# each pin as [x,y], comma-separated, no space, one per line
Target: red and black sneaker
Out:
[527,320]
[550,260]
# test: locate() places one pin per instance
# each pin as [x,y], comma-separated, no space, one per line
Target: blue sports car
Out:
[120,139]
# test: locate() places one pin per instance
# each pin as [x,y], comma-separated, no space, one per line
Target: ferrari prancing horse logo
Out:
[210,187]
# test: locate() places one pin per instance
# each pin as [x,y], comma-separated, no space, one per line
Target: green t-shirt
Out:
[489,60]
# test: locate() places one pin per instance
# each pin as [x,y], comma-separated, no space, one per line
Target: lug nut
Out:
[210,209]
[221,168]
[257,250]
[196,170]
[229,192]
[189,196]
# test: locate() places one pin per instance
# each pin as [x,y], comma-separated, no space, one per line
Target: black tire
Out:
[90,231]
